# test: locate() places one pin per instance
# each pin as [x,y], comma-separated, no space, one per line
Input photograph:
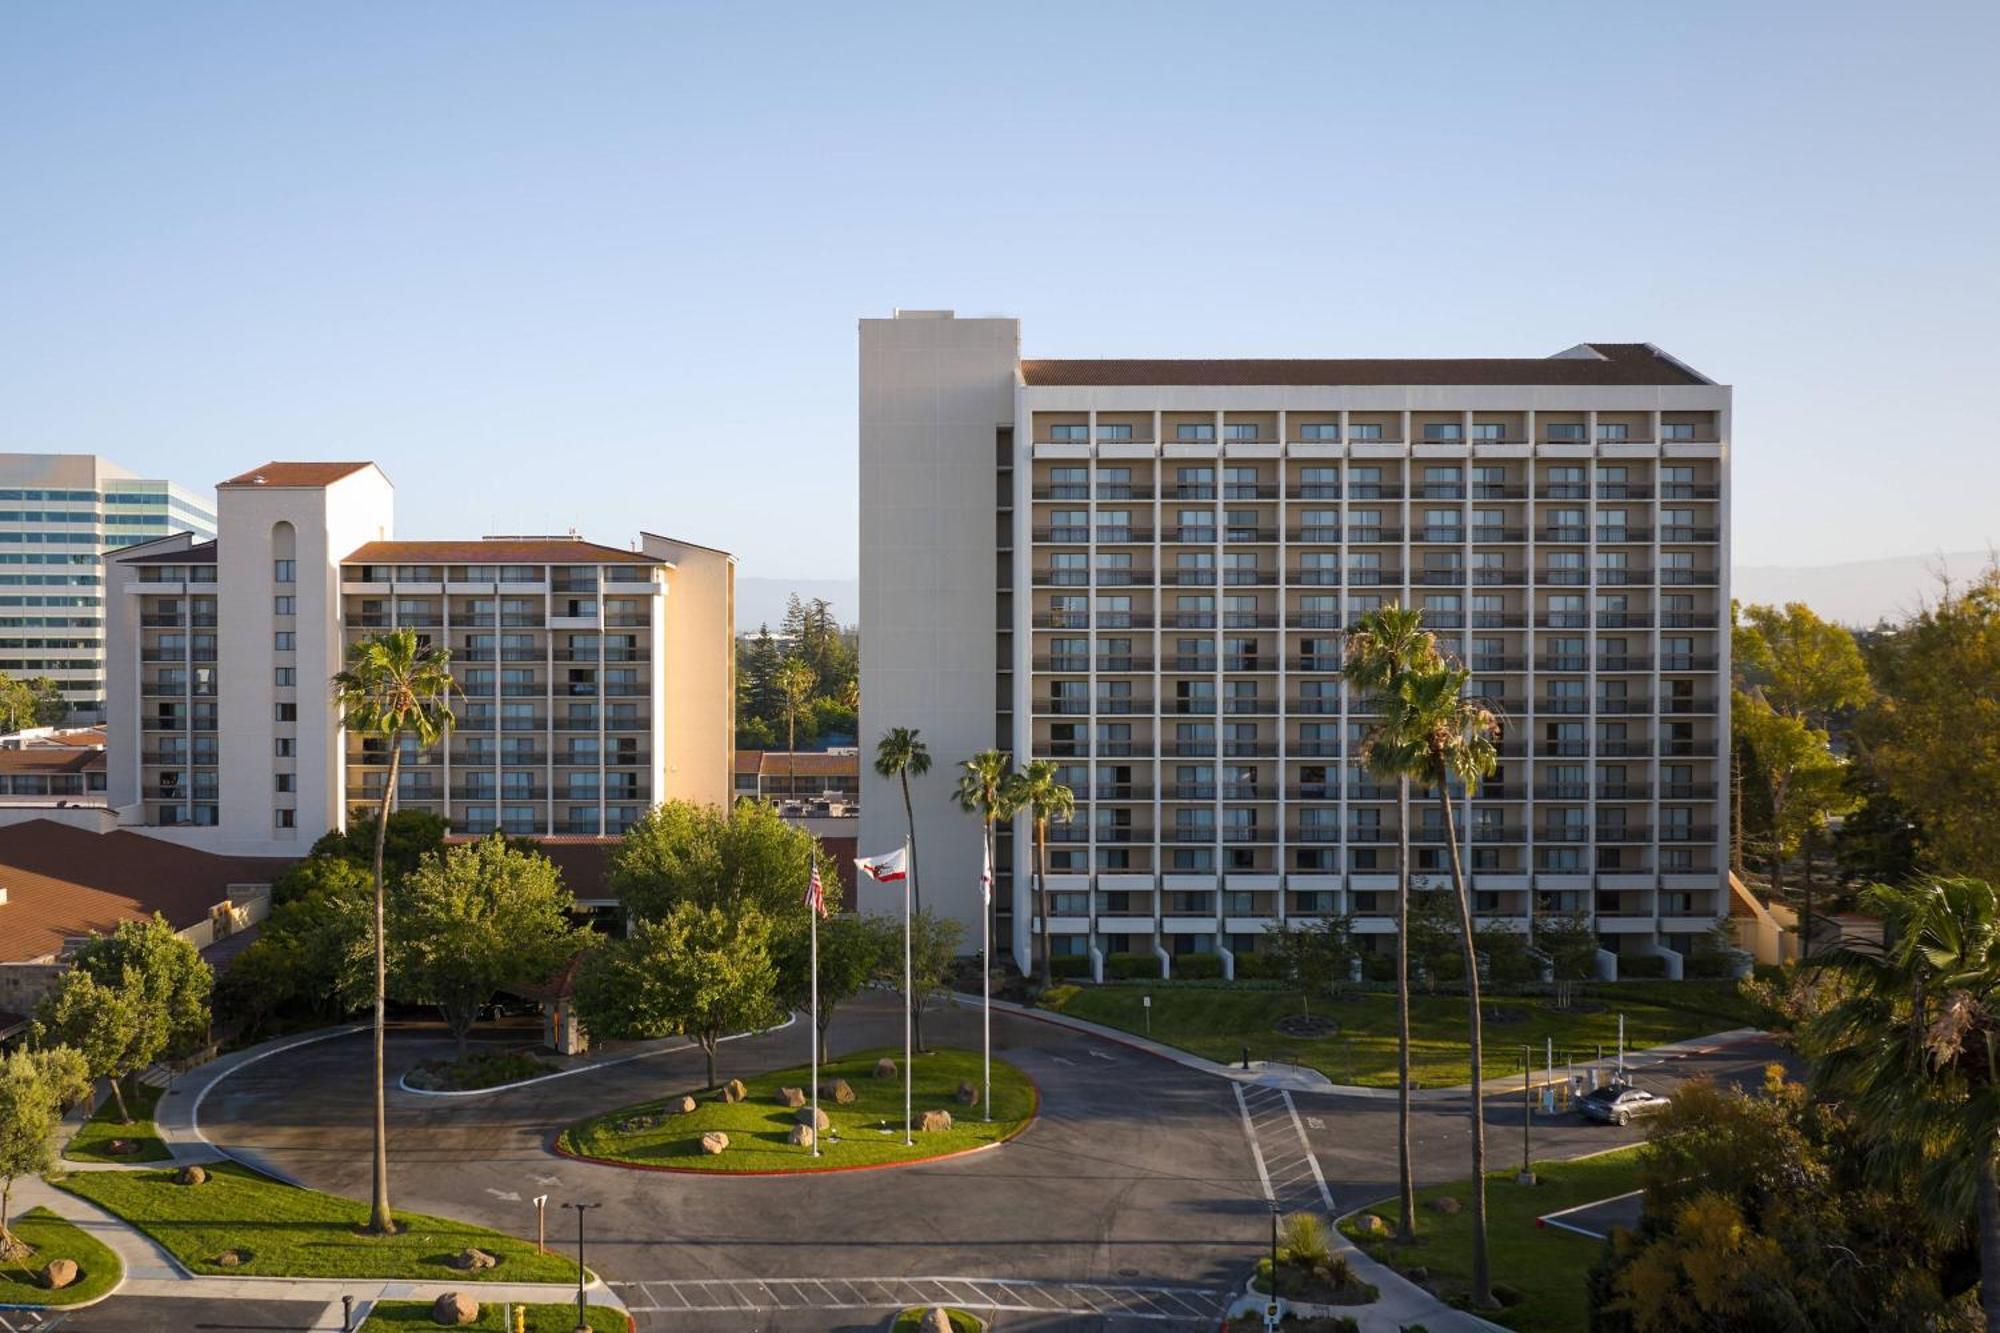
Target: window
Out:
[1365,430]
[284,641]
[1443,432]
[286,747]
[283,782]
[1244,430]
[1561,432]
[285,676]
[1323,431]
[1194,431]
[1488,430]
[284,606]
[1677,430]
[1613,430]
[285,818]
[1114,432]
[285,571]
[1077,434]
[288,712]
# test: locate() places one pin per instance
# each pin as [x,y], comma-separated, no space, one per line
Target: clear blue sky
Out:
[599,264]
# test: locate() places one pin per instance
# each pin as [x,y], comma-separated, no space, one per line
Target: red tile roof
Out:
[497,551]
[52,759]
[296,474]
[804,763]
[1614,364]
[63,882]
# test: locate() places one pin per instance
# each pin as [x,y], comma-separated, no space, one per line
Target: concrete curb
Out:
[403,1083]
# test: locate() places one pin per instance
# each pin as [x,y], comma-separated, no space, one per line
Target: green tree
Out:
[1037,790]
[700,971]
[1316,955]
[852,953]
[1802,779]
[1433,931]
[474,919]
[37,702]
[170,981]
[1457,739]
[1570,944]
[1383,648]
[394,685]
[1799,664]
[311,952]
[102,1024]
[412,835]
[934,944]
[795,687]
[36,1088]
[1913,1049]
[757,699]
[983,793]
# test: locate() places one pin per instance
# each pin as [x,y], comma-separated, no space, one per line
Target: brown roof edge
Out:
[277,473]
[201,553]
[555,551]
[1626,364]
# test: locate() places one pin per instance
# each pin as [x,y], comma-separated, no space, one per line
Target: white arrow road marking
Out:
[548,1180]
[1062,1061]
[1101,1054]
[1314,1122]
[504,1196]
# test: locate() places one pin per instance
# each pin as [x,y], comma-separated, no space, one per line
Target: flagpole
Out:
[908,989]
[812,913]
[986,970]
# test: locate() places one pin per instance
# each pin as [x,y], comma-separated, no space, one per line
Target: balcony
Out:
[1367,533]
[1677,532]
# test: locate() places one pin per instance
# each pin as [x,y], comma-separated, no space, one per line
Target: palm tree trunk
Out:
[1482,1277]
[1406,1180]
[381,1220]
[1989,1243]
[1042,897]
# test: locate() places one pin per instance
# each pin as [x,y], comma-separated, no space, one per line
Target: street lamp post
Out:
[1271,1302]
[582,1318]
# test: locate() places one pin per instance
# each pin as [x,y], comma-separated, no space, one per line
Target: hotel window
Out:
[283,641]
[1194,432]
[1077,433]
[285,818]
[1443,432]
[285,571]
[1564,432]
[286,747]
[1240,430]
[1114,483]
[1488,431]
[1613,430]
[283,782]
[1364,430]
[288,712]
[285,676]
[284,606]
[1319,483]
[1116,431]
[1321,431]
[1239,483]
[1195,483]
[1677,430]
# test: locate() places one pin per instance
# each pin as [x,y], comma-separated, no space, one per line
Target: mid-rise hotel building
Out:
[1142,571]
[592,681]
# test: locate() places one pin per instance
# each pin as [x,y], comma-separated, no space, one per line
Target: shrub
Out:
[1641,965]
[1194,966]
[1713,966]
[1130,966]
[1379,967]
[1259,967]
[1070,965]
[1303,1240]
[1057,997]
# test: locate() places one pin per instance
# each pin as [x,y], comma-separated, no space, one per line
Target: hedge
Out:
[1131,966]
[1259,967]
[1639,966]
[1198,966]
[1070,965]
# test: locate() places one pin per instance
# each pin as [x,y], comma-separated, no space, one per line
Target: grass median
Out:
[1219,1021]
[50,1237]
[279,1230]
[867,1132]
[93,1140]
[390,1316]
[1542,1268]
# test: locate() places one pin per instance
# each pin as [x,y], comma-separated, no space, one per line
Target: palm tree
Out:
[898,754]
[1455,736]
[984,790]
[1912,1047]
[395,685]
[1383,648]
[1043,795]
[794,681]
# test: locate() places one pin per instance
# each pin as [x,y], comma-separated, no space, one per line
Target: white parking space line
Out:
[1167,1305]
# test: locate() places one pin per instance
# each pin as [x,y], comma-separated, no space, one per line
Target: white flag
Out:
[885,869]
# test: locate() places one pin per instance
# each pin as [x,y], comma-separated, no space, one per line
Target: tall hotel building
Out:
[593,681]
[1142,571]
[61,515]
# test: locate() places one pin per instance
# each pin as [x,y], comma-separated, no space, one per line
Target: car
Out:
[1619,1106]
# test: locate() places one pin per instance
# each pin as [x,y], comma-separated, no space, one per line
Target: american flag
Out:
[815,895]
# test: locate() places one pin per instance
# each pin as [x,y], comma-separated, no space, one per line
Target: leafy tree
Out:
[1804,782]
[393,686]
[1877,842]
[933,945]
[1799,664]
[983,792]
[334,875]
[412,835]
[1317,955]
[757,699]
[476,918]
[1383,649]
[1933,737]
[1570,944]
[1037,790]
[311,952]
[852,950]
[102,1024]
[36,1088]
[1911,1048]
[37,702]
[1432,927]
[701,971]
[170,979]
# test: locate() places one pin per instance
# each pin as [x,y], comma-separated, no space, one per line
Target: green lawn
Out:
[286,1232]
[54,1238]
[388,1316]
[867,1132]
[1546,1266]
[93,1140]
[1218,1021]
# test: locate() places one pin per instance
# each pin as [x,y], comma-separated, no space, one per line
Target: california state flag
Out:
[883,869]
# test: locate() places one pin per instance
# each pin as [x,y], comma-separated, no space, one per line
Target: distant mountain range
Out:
[1857,593]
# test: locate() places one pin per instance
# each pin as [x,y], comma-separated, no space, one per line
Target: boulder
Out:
[734,1091]
[885,1068]
[230,1259]
[801,1136]
[191,1175]
[472,1261]
[1444,1204]
[968,1093]
[838,1091]
[714,1142]
[793,1097]
[936,1320]
[454,1309]
[805,1115]
[933,1121]
[58,1274]
[1370,1225]
[681,1106]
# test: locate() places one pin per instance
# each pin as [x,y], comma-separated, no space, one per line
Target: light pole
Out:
[1271,1304]
[582,1318]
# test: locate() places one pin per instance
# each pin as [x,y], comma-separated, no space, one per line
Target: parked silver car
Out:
[1619,1106]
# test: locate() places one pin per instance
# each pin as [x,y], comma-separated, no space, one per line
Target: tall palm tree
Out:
[1383,648]
[983,790]
[795,682]
[1044,796]
[1912,1046]
[898,754]
[394,686]
[1455,736]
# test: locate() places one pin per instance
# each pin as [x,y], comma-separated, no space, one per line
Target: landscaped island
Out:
[389,1316]
[95,1138]
[868,1131]
[50,1238]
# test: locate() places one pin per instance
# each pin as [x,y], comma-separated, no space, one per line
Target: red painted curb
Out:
[555,1147]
